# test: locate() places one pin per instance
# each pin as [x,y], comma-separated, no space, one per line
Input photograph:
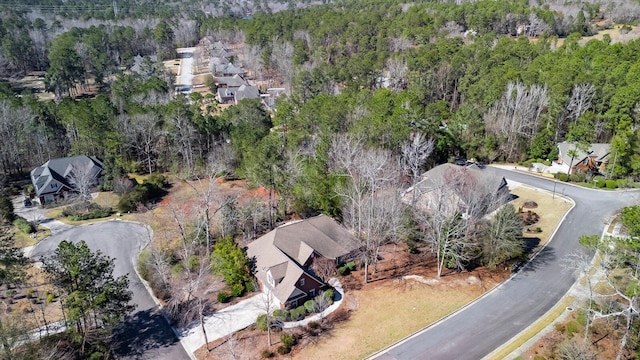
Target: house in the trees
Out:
[450,187]
[53,179]
[284,257]
[594,160]
[228,69]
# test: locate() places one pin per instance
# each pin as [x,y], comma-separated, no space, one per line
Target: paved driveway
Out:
[223,323]
[145,334]
[486,324]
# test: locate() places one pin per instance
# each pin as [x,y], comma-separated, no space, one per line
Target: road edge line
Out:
[495,288]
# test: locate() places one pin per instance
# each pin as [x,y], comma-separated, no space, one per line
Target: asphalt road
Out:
[144,334]
[485,325]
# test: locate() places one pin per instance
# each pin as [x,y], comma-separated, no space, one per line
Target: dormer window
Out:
[302,282]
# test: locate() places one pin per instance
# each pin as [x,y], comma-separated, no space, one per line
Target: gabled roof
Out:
[230,81]
[228,69]
[599,151]
[52,176]
[282,253]
[460,183]
[247,92]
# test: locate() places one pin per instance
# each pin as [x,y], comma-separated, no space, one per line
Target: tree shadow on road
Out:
[544,257]
[144,333]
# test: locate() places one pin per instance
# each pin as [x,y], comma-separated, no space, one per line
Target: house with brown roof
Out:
[284,257]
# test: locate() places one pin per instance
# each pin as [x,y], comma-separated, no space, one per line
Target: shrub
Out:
[281,314]
[610,184]
[582,318]
[329,295]
[267,354]
[538,229]
[599,181]
[23,225]
[310,305]
[351,265]
[575,178]
[622,183]
[177,269]
[261,322]
[237,290]
[297,313]
[563,177]
[313,325]
[283,350]
[86,211]
[344,270]
[223,297]
[572,328]
[287,340]
[193,262]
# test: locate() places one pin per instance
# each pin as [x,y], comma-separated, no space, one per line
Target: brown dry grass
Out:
[392,310]
[550,210]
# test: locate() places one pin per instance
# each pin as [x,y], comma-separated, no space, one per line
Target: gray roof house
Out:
[284,257]
[246,92]
[51,179]
[594,159]
[449,186]
[228,70]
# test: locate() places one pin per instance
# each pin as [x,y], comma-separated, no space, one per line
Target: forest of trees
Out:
[378,92]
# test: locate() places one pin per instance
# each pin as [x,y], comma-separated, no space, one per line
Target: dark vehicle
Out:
[461,162]
[27,202]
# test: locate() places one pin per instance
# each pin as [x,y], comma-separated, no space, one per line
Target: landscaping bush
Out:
[329,295]
[579,177]
[23,225]
[572,328]
[261,322]
[283,350]
[311,306]
[563,177]
[287,340]
[622,183]
[281,314]
[297,313]
[582,318]
[86,211]
[599,181]
[152,187]
[344,270]
[610,184]
[237,290]
[313,325]
[267,354]
[223,297]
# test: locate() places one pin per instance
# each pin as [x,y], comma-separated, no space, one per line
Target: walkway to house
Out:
[223,323]
[317,317]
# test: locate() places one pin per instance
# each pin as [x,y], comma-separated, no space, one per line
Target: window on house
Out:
[312,293]
[302,282]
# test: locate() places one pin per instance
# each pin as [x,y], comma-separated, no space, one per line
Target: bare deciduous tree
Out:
[372,176]
[143,132]
[83,178]
[515,117]
[450,213]
[415,153]
[398,71]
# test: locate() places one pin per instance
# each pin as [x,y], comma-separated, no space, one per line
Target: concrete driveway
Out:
[224,322]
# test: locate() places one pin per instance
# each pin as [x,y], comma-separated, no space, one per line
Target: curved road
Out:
[486,324]
[144,334]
